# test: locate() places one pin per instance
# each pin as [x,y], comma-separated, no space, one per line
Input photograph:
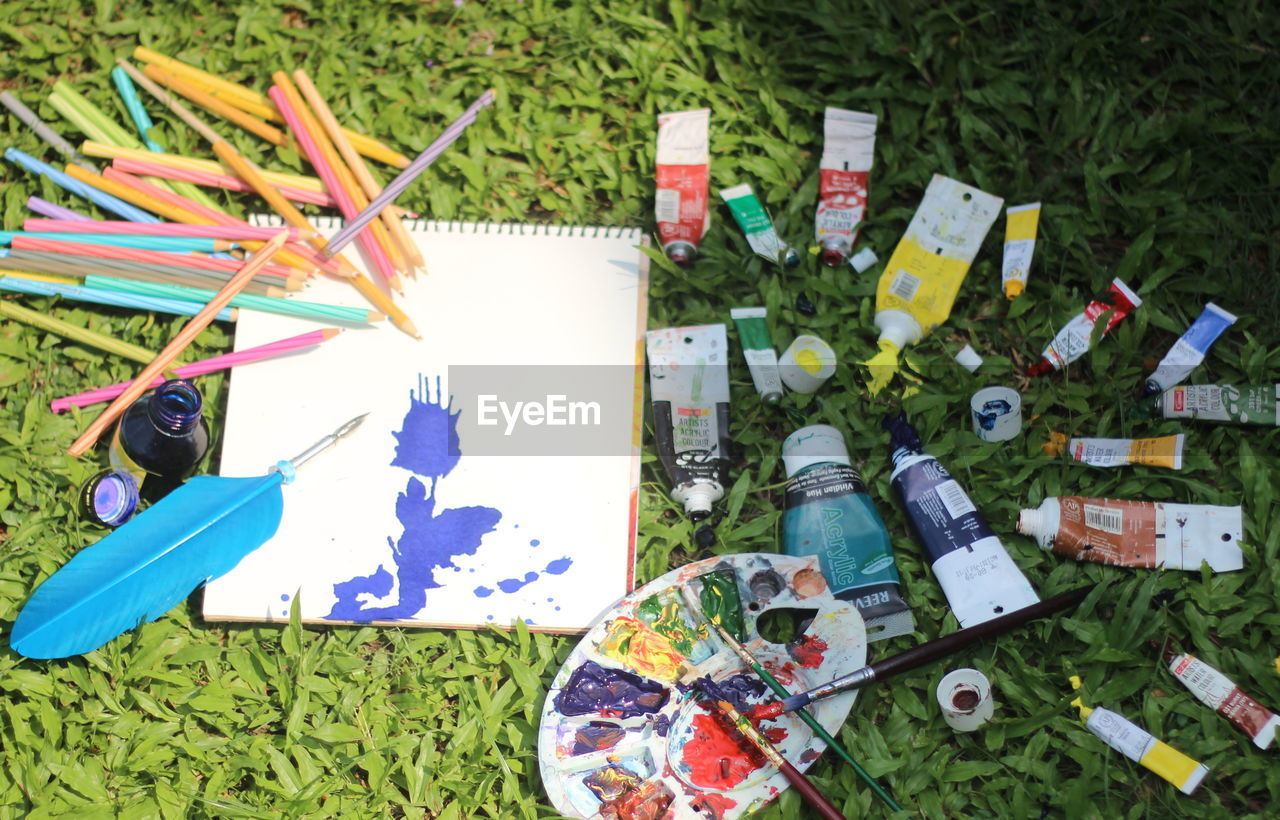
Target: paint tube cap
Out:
[682,253]
[806,364]
[815,444]
[996,413]
[834,251]
[898,327]
[698,498]
[969,359]
[965,698]
[110,498]
[864,259]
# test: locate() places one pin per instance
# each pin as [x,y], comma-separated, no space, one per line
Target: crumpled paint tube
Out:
[1249,404]
[1020,226]
[848,149]
[1141,746]
[756,224]
[1220,693]
[1073,340]
[680,203]
[1189,351]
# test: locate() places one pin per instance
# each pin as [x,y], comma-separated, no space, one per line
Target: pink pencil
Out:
[191,260]
[203,367]
[232,232]
[210,179]
[330,179]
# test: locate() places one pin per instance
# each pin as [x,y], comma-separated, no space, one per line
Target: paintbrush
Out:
[807,790]
[926,652]
[778,689]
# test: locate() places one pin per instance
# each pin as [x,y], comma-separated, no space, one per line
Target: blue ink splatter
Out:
[483,592]
[510,585]
[559,566]
[284,597]
[535,542]
[427,446]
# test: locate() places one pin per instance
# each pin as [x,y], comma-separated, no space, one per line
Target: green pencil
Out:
[266,304]
[75,332]
[781,691]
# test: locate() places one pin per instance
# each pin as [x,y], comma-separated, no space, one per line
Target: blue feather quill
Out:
[151,564]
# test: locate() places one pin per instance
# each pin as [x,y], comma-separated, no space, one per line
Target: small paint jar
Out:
[996,413]
[806,364]
[110,498]
[965,698]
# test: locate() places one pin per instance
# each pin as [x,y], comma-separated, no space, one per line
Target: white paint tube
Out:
[1189,351]
[1220,693]
[848,149]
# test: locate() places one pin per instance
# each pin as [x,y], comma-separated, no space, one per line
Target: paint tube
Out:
[1020,223]
[756,224]
[680,203]
[829,514]
[1189,351]
[757,347]
[1250,404]
[689,383]
[920,282]
[1220,693]
[848,148]
[1140,746]
[1073,340]
[1165,451]
[1138,533]
[980,579]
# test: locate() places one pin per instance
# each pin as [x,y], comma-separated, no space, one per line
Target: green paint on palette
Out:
[666,621]
[721,604]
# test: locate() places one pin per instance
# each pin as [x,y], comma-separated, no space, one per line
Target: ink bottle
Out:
[110,498]
[161,436]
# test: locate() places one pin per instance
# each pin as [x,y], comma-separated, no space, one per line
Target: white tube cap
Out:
[815,444]
[806,364]
[969,359]
[965,698]
[863,259]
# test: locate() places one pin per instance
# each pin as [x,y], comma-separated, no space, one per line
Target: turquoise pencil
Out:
[249,301]
[98,296]
[179,244]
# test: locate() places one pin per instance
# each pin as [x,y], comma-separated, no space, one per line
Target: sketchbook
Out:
[495,478]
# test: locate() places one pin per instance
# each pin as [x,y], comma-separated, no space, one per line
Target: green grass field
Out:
[1149,131]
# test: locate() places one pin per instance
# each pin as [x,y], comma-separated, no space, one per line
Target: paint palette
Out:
[625,735]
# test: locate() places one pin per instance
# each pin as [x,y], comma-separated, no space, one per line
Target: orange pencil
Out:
[180,342]
[223,109]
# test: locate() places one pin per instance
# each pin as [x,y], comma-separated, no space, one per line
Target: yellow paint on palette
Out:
[632,643]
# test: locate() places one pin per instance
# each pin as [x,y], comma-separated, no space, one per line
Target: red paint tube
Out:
[1073,340]
[848,146]
[680,203]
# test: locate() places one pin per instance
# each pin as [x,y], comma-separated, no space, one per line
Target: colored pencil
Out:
[781,691]
[258,105]
[74,332]
[289,104]
[216,106]
[364,177]
[137,112]
[171,351]
[264,304]
[43,131]
[48,209]
[214,364]
[230,232]
[100,198]
[218,180]
[187,260]
[173,244]
[80,267]
[277,178]
[409,174]
[17,282]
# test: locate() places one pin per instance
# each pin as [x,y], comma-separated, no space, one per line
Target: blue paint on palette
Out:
[427,446]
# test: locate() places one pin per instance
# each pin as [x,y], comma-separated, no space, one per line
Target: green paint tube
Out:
[1247,404]
[757,348]
[758,227]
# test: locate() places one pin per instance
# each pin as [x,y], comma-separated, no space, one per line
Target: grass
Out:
[1150,132]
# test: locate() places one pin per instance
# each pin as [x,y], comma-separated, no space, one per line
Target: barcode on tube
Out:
[1101,518]
[667,205]
[955,500]
[904,285]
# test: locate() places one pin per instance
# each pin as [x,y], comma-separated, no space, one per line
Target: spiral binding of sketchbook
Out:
[448,508]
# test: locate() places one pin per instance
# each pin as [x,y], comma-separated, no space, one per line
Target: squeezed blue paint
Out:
[427,446]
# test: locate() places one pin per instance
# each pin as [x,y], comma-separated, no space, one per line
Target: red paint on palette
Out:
[718,756]
[784,673]
[808,651]
[712,805]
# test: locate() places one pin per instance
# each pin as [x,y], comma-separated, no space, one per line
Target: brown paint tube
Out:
[1220,693]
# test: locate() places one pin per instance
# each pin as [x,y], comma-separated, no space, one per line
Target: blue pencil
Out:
[37,287]
[178,244]
[75,186]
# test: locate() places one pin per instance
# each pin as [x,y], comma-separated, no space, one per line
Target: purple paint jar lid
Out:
[110,498]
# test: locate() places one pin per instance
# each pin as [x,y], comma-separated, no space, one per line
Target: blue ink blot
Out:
[529,621]
[483,592]
[559,566]
[427,446]
[488,617]
[284,597]
[512,584]
[535,542]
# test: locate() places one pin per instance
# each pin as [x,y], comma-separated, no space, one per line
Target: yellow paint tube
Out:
[1165,451]
[1020,226]
[923,276]
[1140,746]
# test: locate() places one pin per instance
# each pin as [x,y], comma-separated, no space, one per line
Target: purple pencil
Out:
[409,174]
[52,211]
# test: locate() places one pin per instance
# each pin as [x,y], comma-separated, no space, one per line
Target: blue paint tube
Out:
[1189,351]
[976,573]
[829,514]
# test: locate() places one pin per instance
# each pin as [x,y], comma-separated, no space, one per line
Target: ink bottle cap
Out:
[815,444]
[969,359]
[863,260]
[682,253]
[110,498]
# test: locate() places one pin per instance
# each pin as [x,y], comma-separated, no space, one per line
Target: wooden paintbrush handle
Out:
[810,792]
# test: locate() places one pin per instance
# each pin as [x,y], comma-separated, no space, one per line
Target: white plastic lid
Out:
[815,444]
[699,497]
[806,363]
[965,698]
[899,327]
[969,359]
[863,259]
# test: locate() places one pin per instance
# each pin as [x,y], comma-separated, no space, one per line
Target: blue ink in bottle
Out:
[161,438]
